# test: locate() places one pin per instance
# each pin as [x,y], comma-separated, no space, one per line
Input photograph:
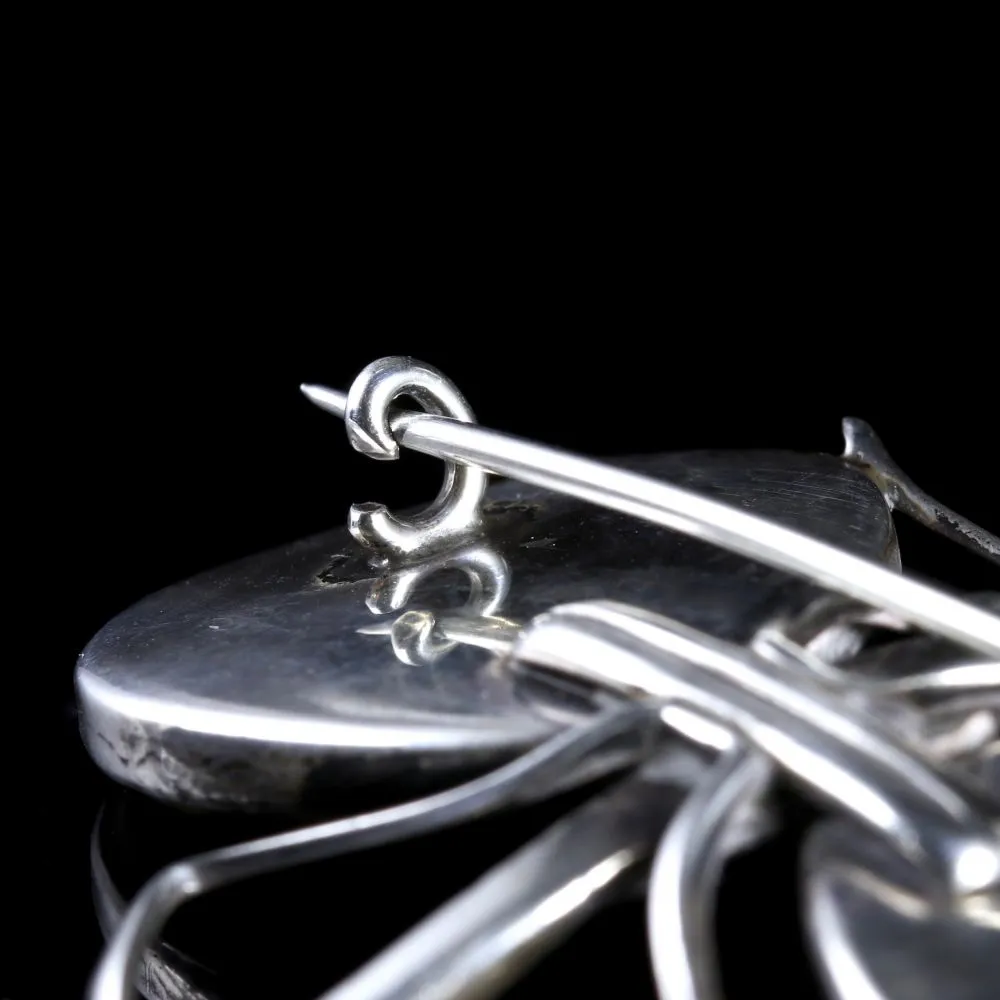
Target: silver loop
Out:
[416,635]
[486,571]
[454,514]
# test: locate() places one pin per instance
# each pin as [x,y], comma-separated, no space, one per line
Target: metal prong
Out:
[864,449]
[326,399]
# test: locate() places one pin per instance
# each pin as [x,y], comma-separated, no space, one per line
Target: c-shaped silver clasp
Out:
[455,512]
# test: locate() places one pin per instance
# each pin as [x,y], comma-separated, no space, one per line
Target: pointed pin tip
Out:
[326,399]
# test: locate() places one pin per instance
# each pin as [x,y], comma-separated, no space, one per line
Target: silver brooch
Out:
[680,638]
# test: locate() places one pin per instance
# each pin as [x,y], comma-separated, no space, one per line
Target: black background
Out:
[195,278]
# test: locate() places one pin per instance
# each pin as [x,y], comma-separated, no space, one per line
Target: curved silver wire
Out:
[840,751]
[455,512]
[874,933]
[953,680]
[959,703]
[689,860]
[479,942]
[942,705]
[160,979]
[680,898]
[529,777]
[874,930]
[710,520]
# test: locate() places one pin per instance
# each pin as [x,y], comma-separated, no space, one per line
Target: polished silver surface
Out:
[671,506]
[258,685]
[878,933]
